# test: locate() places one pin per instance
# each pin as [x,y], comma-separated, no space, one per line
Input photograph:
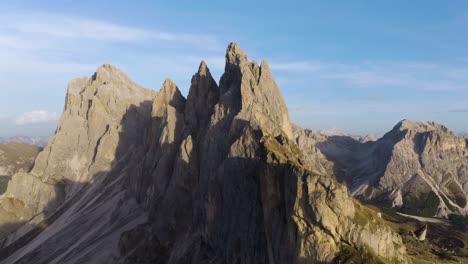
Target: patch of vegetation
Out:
[365,214]
[350,254]
[459,221]
[461,201]
[425,204]
[443,244]
[381,201]
[389,214]
[4,183]
[283,150]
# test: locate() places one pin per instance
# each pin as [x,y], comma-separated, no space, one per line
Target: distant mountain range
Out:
[419,168]
[340,132]
[37,141]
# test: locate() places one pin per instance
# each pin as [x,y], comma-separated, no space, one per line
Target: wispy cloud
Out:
[36,117]
[408,75]
[367,98]
[44,42]
[72,27]
[458,110]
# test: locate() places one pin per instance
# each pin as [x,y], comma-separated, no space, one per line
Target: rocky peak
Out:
[95,108]
[251,88]
[169,94]
[418,167]
[107,86]
[109,73]
[203,69]
[235,55]
[203,96]
[76,86]
[421,233]
[416,126]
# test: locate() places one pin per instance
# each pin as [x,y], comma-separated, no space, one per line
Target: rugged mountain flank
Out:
[419,168]
[137,176]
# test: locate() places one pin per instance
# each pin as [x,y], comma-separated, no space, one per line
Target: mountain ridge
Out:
[413,155]
[214,178]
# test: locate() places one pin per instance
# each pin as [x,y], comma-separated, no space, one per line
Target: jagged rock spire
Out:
[203,96]
[250,90]
[235,55]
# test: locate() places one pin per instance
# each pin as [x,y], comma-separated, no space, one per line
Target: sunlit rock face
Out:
[419,168]
[137,176]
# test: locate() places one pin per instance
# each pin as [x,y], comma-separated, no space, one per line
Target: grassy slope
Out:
[445,243]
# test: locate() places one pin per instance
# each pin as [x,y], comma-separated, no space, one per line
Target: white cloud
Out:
[16,28]
[81,29]
[36,117]
[408,75]
[52,46]
[368,98]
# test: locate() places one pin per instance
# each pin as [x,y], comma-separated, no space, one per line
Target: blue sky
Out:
[361,66]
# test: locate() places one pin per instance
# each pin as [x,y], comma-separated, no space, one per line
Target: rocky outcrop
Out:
[328,224]
[419,168]
[369,137]
[307,140]
[421,233]
[15,157]
[136,176]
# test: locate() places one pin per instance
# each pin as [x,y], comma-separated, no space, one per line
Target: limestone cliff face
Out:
[418,167]
[328,225]
[136,176]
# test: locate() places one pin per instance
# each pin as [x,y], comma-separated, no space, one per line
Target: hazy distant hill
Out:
[37,141]
[340,132]
[13,158]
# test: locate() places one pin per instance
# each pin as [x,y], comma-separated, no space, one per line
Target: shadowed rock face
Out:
[136,176]
[418,167]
